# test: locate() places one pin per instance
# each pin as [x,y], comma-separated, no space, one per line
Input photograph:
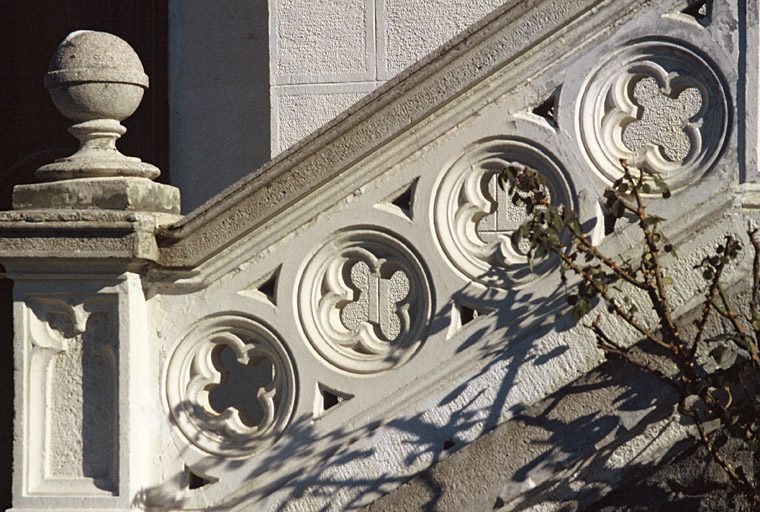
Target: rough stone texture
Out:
[96,80]
[410,29]
[316,38]
[406,101]
[83,410]
[266,268]
[58,234]
[351,44]
[692,482]
[299,114]
[124,194]
[662,121]
[96,57]
[544,445]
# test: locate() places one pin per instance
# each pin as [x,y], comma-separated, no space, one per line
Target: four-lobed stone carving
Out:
[474,219]
[660,105]
[364,301]
[196,369]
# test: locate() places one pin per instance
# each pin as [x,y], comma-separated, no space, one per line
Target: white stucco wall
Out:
[327,54]
[219,94]
[249,78]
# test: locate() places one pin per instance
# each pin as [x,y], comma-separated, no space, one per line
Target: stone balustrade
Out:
[354,310]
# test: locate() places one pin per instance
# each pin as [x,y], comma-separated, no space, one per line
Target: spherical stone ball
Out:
[95,75]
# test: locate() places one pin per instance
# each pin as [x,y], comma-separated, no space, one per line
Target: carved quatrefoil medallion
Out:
[474,218]
[661,106]
[249,416]
[364,301]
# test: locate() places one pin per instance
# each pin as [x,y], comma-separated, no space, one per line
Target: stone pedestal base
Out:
[123,194]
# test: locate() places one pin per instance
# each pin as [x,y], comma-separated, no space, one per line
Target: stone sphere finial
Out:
[97,80]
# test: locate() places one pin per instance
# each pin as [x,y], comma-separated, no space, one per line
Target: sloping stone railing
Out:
[354,310]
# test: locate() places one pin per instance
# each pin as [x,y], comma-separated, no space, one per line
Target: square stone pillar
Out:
[85,380]
[77,247]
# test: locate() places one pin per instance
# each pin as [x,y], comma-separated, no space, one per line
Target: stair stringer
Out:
[440,382]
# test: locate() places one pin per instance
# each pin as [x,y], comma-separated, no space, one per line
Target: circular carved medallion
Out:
[474,218]
[230,385]
[364,301]
[661,106]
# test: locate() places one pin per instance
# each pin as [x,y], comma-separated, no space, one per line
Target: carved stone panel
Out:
[73,430]
[364,301]
[659,104]
[231,385]
[474,218]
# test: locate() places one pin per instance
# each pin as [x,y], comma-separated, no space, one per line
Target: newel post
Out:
[77,246]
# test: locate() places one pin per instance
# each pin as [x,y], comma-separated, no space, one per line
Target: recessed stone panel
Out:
[315,38]
[300,113]
[409,29]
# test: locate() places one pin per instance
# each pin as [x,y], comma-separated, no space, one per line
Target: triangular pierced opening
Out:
[547,109]
[467,314]
[464,314]
[265,288]
[405,199]
[698,9]
[329,398]
[269,287]
[196,481]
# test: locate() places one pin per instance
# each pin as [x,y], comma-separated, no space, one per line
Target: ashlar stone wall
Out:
[327,54]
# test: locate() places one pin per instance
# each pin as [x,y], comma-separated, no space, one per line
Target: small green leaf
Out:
[652,219]
[667,280]
[580,309]
[756,323]
[617,209]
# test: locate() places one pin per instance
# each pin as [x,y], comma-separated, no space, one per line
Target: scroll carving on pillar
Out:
[659,104]
[73,377]
[474,219]
[364,301]
[231,385]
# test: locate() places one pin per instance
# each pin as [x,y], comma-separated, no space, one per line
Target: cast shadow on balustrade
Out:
[564,440]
